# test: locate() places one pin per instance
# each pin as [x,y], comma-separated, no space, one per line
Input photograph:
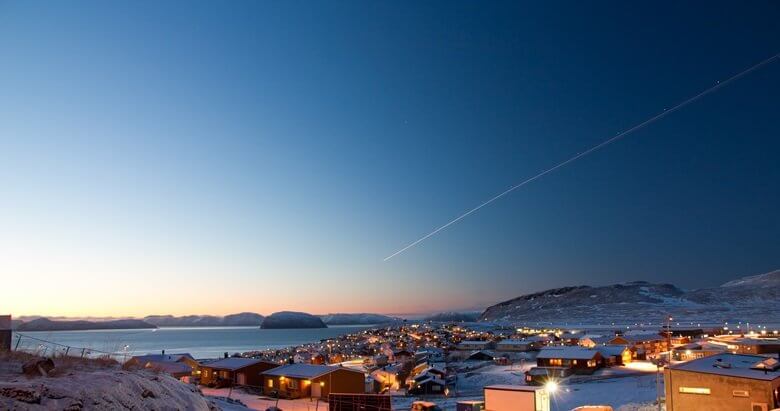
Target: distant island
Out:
[45,324]
[292,319]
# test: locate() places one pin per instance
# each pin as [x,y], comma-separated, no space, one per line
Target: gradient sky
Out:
[210,157]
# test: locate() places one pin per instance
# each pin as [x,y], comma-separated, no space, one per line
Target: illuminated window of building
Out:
[695,390]
[591,363]
[556,361]
[270,383]
[740,393]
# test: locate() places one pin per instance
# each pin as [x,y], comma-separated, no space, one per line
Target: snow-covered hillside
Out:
[357,319]
[755,299]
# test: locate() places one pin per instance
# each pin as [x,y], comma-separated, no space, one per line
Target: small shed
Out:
[5,332]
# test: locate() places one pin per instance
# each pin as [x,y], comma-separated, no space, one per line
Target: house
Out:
[723,382]
[5,332]
[470,405]
[430,380]
[234,371]
[359,402]
[522,345]
[427,384]
[387,376]
[471,345]
[541,375]
[516,397]
[692,351]
[482,355]
[751,345]
[402,355]
[649,345]
[433,354]
[590,341]
[312,381]
[615,354]
[176,365]
[570,338]
[580,360]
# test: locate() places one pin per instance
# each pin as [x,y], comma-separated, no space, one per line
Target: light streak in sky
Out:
[604,143]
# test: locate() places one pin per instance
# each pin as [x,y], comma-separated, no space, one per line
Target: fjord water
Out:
[201,342]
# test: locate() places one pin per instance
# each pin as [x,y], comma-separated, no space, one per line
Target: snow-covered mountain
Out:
[755,299]
[357,319]
[453,316]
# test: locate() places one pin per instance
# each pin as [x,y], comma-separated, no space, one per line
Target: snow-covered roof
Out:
[611,350]
[233,363]
[170,367]
[526,341]
[598,339]
[486,352]
[732,365]
[474,342]
[640,337]
[573,353]
[430,378]
[757,341]
[304,370]
[143,359]
[689,346]
[514,388]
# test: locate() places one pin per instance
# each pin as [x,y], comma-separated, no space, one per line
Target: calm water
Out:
[201,342]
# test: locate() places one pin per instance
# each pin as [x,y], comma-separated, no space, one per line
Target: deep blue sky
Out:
[268,155]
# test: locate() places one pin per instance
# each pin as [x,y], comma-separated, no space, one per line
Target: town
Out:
[478,366]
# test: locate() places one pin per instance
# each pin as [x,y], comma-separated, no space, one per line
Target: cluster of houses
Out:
[424,359]
[280,380]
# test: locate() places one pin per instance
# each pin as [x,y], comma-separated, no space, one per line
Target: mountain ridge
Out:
[753,298]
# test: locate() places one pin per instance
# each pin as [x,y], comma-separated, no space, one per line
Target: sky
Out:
[210,158]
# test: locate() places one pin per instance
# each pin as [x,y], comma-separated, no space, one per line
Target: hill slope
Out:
[755,299]
[232,320]
[45,324]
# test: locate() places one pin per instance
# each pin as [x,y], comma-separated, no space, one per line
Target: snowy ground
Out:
[77,383]
[256,402]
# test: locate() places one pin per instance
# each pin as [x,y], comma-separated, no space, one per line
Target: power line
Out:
[604,143]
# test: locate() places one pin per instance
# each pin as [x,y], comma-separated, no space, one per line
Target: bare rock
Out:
[21,394]
[38,367]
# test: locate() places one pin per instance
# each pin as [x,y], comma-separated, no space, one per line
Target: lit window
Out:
[270,383]
[740,393]
[695,390]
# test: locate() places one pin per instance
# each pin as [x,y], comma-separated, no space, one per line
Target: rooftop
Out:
[731,365]
[233,363]
[304,370]
[575,353]
[513,388]
[161,357]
